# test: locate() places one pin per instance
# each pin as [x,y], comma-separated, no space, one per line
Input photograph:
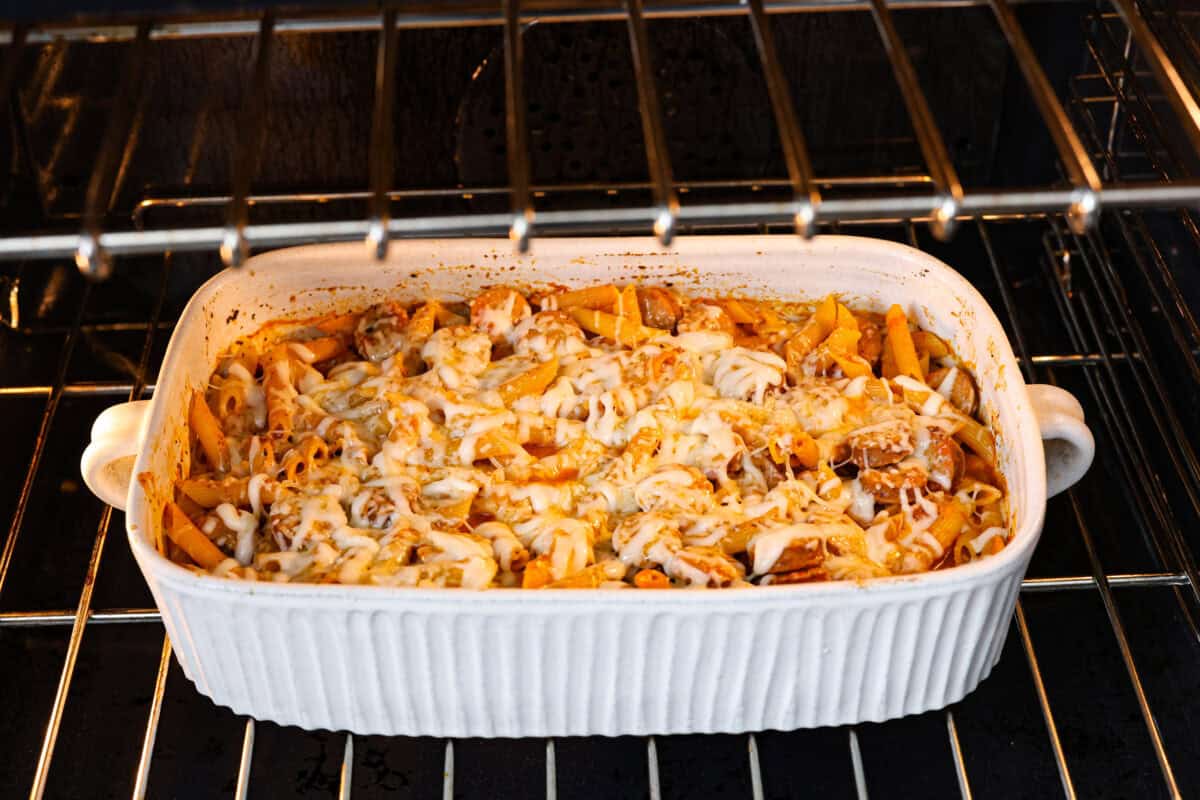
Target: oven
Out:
[1048,151]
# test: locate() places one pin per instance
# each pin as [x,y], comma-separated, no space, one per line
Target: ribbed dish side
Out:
[453,672]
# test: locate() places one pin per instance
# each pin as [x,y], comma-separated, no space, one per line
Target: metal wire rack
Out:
[1096,691]
[936,195]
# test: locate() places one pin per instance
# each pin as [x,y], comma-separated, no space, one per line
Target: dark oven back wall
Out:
[582,107]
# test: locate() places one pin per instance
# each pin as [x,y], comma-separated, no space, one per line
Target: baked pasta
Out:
[593,437]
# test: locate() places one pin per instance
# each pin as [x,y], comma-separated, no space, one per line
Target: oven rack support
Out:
[936,197]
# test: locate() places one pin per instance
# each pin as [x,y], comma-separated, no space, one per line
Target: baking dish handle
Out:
[107,463]
[1066,439]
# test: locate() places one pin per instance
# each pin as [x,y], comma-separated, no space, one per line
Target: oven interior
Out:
[1048,151]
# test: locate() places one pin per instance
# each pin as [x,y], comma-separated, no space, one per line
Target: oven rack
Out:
[1085,300]
[802,199]
[1121,335]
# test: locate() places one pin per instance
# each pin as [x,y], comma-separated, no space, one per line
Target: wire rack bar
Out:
[39,447]
[929,138]
[87,389]
[1158,401]
[516,130]
[756,784]
[382,139]
[471,192]
[242,787]
[652,769]
[613,220]
[1039,686]
[1071,151]
[856,765]
[137,616]
[791,138]
[551,772]
[1120,420]
[1150,500]
[956,752]
[234,246]
[50,739]
[1035,670]
[141,780]
[1179,316]
[658,160]
[346,776]
[90,257]
[448,771]
[1185,331]
[1114,617]
[1118,627]
[1185,340]
[111,616]
[1177,92]
[83,609]
[48,32]
[1124,82]
[448,17]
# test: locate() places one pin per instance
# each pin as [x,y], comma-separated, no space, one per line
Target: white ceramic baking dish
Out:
[508,662]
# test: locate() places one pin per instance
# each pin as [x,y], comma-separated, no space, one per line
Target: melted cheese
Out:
[675,454]
[244,525]
[745,374]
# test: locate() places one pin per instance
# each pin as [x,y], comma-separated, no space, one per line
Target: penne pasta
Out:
[570,462]
[189,538]
[280,394]
[950,520]
[323,349]
[594,297]
[637,437]
[651,579]
[798,445]
[887,362]
[978,438]
[532,382]
[210,493]
[741,311]
[627,305]
[208,432]
[769,322]
[842,345]
[904,353]
[537,573]
[618,329]
[591,577]
[421,325]
[932,345]
[231,397]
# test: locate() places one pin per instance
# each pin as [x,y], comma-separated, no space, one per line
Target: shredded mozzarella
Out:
[700,454]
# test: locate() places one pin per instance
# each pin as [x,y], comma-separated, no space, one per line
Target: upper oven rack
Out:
[934,196]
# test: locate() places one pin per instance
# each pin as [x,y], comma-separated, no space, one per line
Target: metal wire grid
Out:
[1110,350]
[937,196]
[1088,312]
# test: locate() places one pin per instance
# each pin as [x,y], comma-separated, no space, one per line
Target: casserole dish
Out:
[440,662]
